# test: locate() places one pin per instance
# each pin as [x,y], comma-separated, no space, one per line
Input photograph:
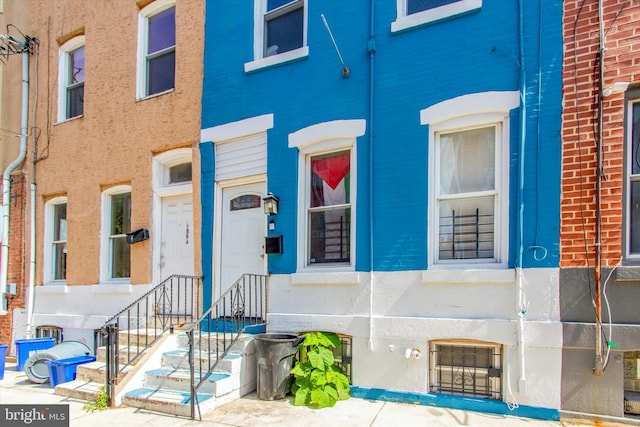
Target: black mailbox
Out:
[138,236]
[273,245]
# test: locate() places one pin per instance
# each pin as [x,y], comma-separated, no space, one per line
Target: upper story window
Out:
[469,180]
[327,214]
[157,48]
[280,32]
[412,13]
[71,79]
[633,175]
[55,262]
[116,217]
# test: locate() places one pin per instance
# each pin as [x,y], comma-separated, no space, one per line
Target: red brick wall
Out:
[580,122]
[17,261]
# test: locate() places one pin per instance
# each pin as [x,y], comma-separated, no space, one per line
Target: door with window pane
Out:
[119,250]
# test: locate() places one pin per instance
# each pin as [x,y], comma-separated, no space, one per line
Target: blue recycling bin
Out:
[64,370]
[3,358]
[26,347]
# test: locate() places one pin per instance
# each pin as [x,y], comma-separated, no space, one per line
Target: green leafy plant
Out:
[97,402]
[319,383]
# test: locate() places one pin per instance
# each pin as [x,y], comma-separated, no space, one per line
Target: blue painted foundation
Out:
[456,402]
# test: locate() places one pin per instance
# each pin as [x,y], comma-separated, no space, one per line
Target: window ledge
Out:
[112,288]
[434,15]
[70,119]
[503,276]
[155,95]
[628,274]
[326,278]
[271,61]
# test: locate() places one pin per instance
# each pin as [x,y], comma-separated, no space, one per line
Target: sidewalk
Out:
[249,411]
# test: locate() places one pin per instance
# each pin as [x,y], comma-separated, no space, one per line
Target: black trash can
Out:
[275,353]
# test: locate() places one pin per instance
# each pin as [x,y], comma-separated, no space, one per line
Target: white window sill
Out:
[434,15]
[475,275]
[53,288]
[155,95]
[70,119]
[270,61]
[326,278]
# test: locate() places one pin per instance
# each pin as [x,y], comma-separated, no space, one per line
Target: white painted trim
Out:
[105,258]
[466,111]
[335,129]
[259,61]
[237,129]
[145,13]
[270,61]
[318,139]
[404,21]
[160,165]
[63,74]
[474,103]
[47,273]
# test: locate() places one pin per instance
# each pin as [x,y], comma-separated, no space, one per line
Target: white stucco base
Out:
[79,310]
[403,310]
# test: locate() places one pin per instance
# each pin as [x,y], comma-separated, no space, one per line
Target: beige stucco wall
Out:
[115,139]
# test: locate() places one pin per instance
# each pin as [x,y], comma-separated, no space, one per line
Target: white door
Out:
[176,242]
[243,229]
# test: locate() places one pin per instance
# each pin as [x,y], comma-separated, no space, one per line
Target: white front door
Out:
[243,229]
[176,242]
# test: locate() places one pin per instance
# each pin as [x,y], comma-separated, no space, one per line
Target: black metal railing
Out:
[175,301]
[211,336]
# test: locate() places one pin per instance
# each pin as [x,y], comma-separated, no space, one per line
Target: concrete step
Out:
[79,389]
[96,372]
[244,344]
[168,401]
[138,337]
[179,380]
[125,356]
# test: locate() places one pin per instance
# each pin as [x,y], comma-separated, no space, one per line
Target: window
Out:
[467,196]
[157,48]
[116,223]
[329,210]
[466,369]
[56,240]
[71,79]
[411,13]
[279,32]
[468,179]
[633,184]
[327,185]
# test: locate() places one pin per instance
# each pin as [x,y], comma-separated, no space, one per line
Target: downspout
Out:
[32,242]
[521,305]
[6,182]
[598,368]
[371,48]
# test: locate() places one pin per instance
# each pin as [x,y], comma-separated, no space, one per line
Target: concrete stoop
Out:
[164,386]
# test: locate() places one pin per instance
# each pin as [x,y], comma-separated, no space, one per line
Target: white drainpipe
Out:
[6,184]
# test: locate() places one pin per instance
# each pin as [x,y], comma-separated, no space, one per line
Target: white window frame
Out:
[143,37]
[464,112]
[497,352]
[633,98]
[105,258]
[49,227]
[404,21]
[259,60]
[325,138]
[64,60]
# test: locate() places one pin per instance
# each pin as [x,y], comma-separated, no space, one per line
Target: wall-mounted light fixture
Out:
[270,204]
[617,87]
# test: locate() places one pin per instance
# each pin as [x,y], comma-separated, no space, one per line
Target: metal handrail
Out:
[174,301]
[241,306]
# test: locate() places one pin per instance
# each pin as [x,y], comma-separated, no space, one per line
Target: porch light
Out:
[270,204]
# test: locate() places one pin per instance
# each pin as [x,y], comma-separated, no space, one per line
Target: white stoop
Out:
[91,376]
[162,384]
